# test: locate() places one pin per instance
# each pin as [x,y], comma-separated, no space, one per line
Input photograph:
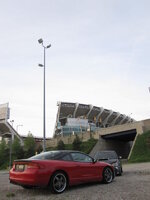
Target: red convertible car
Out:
[59,169]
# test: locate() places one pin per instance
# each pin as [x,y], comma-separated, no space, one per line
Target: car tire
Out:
[120,172]
[107,175]
[58,182]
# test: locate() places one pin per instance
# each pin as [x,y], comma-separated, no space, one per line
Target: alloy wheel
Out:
[59,182]
[107,175]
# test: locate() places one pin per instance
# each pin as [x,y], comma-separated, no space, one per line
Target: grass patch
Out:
[68,146]
[85,147]
[141,149]
[51,148]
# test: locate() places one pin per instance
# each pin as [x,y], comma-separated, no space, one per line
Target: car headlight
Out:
[115,165]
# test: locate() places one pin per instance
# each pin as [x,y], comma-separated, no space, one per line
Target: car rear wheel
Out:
[58,182]
[107,175]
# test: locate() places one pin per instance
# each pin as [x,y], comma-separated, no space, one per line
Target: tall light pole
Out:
[18,126]
[11,141]
[43,65]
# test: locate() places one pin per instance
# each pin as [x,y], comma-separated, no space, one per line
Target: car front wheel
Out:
[107,175]
[120,172]
[58,182]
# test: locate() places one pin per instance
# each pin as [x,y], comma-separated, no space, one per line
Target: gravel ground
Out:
[134,184]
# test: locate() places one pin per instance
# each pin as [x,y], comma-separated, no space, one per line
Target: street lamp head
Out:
[40,65]
[19,125]
[48,46]
[40,41]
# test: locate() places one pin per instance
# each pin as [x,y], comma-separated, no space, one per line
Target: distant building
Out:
[74,118]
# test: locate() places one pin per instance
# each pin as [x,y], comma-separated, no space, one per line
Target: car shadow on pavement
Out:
[46,192]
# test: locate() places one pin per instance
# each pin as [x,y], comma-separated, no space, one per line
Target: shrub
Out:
[76,143]
[86,147]
[61,145]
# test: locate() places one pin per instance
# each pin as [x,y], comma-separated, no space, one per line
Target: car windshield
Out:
[106,155]
[51,155]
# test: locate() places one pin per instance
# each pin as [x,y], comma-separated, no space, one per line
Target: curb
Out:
[4,172]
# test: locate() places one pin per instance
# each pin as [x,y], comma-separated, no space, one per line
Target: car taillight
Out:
[32,166]
[13,167]
[22,166]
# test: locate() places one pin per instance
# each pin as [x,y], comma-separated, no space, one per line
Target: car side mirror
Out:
[94,160]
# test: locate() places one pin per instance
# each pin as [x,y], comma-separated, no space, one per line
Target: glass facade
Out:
[69,126]
[67,130]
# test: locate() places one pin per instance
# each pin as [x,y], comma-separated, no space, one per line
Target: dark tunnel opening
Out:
[121,142]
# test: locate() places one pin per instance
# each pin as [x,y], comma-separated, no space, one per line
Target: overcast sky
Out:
[99,55]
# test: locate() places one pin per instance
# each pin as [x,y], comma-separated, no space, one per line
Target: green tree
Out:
[29,146]
[60,145]
[4,154]
[77,143]
[17,150]
[39,148]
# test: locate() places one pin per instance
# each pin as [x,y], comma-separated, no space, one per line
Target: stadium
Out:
[74,118]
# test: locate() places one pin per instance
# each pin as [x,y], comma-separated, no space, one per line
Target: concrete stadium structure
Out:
[113,130]
[6,129]
[76,118]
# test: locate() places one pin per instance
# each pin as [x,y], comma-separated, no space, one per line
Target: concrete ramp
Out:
[7,131]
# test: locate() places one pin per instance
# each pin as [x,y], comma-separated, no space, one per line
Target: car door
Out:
[86,169]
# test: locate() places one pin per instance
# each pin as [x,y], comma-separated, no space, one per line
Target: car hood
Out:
[110,161]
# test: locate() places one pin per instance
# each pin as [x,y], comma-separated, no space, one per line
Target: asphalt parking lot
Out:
[134,184]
